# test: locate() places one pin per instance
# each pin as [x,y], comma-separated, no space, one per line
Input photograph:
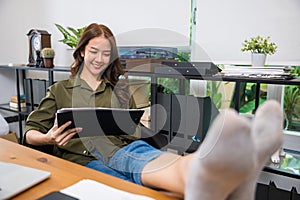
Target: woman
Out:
[95,82]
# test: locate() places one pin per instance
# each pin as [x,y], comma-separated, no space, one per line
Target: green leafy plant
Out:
[248,97]
[71,35]
[184,56]
[213,92]
[47,53]
[259,45]
[292,103]
[168,85]
[291,164]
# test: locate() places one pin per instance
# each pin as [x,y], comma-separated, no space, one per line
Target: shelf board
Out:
[24,111]
[56,68]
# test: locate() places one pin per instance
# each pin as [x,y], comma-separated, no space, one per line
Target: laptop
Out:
[17,178]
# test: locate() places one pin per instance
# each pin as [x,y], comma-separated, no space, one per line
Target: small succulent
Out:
[259,45]
[47,53]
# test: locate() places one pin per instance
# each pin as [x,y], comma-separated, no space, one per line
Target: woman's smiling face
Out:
[97,55]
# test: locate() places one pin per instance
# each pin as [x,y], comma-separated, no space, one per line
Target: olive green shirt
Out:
[75,92]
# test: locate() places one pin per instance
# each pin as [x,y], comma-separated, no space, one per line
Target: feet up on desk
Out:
[235,150]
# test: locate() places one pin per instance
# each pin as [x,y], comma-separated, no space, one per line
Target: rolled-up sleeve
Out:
[42,119]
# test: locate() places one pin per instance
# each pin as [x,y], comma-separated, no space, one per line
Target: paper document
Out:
[258,72]
[253,70]
[90,189]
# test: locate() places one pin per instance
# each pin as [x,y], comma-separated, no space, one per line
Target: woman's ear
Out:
[82,54]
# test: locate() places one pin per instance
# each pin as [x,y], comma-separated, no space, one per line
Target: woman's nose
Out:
[99,57]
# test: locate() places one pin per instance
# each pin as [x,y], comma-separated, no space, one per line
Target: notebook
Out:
[17,178]
[101,121]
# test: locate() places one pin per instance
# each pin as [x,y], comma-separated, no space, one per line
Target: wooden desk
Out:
[63,173]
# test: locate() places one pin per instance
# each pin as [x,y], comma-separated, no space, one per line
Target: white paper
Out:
[238,70]
[88,189]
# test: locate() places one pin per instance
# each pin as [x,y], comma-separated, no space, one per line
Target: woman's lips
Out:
[97,66]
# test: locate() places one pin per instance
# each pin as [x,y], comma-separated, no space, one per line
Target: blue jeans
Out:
[128,162]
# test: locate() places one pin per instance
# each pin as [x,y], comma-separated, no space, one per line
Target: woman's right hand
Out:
[60,136]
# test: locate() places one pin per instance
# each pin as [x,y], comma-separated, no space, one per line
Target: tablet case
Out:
[101,121]
[56,195]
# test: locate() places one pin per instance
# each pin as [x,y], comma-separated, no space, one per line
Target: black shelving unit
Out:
[238,80]
[20,75]
[273,178]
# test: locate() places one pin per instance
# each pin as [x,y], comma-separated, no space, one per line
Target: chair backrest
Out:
[156,140]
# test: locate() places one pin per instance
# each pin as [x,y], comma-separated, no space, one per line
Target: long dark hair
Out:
[93,30]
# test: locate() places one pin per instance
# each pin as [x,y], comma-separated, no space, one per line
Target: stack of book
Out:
[258,72]
[13,104]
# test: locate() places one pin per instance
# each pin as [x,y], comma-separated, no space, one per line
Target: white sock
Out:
[267,136]
[223,161]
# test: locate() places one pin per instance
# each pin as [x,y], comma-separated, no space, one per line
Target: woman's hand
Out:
[58,136]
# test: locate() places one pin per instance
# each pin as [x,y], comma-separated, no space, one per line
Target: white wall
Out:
[134,22]
[222,26]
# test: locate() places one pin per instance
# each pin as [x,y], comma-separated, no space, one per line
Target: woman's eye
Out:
[93,52]
[107,54]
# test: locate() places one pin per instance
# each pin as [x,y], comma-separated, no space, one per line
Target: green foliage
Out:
[259,45]
[71,35]
[292,100]
[296,70]
[291,97]
[169,85]
[213,92]
[291,164]
[250,105]
[247,98]
[47,53]
[183,56]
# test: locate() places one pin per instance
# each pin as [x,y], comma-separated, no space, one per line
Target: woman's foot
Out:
[224,160]
[267,134]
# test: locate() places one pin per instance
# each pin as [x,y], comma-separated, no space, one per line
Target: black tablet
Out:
[101,121]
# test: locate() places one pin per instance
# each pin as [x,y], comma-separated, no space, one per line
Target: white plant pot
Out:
[258,59]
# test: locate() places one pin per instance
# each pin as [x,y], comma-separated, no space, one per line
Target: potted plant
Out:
[48,55]
[259,47]
[71,35]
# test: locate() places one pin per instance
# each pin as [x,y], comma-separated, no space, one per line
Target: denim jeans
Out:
[128,162]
